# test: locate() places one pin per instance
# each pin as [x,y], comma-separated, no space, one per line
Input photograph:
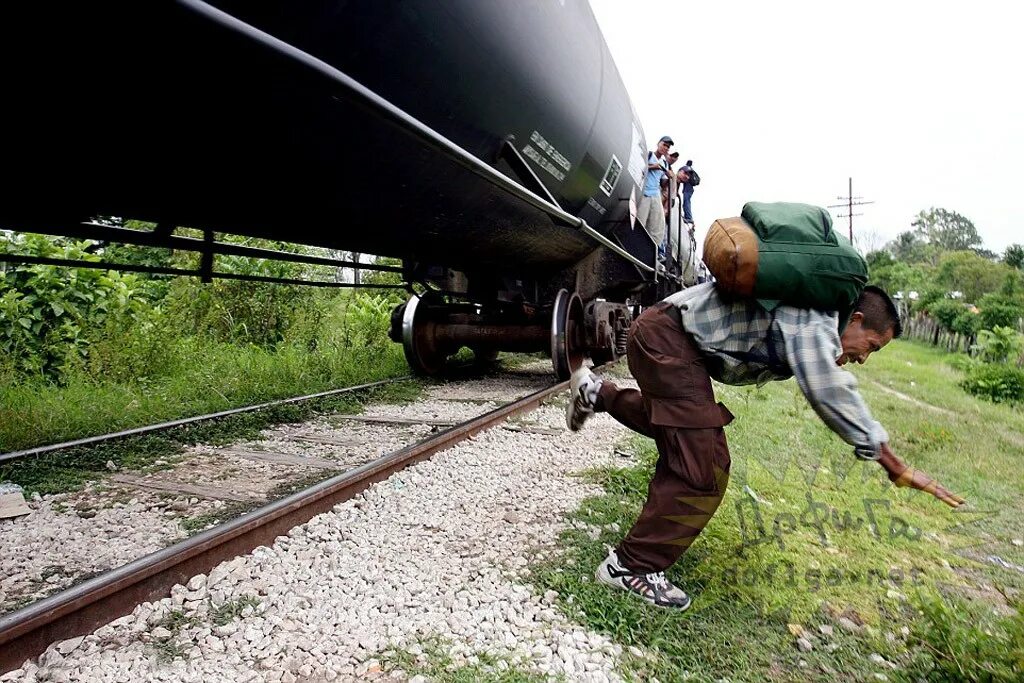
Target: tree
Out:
[898,276]
[947,230]
[910,247]
[965,271]
[878,259]
[1014,256]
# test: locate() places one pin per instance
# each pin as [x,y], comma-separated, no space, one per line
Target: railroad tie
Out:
[282,458]
[182,489]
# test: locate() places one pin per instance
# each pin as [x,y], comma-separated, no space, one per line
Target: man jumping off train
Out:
[674,349]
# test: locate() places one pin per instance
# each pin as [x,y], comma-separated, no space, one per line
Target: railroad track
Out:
[81,609]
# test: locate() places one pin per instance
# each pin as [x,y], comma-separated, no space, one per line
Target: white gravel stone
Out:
[68,646]
[48,550]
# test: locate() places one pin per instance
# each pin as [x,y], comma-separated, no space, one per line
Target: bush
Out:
[241,312]
[147,349]
[927,298]
[997,383]
[367,319]
[51,316]
[377,277]
[966,323]
[999,345]
[963,362]
[958,641]
[1000,310]
[947,311]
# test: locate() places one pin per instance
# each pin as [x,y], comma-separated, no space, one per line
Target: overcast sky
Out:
[920,102]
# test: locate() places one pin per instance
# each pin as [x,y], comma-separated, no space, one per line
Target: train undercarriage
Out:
[431,328]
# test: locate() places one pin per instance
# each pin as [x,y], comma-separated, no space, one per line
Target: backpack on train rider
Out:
[786,253]
[694,177]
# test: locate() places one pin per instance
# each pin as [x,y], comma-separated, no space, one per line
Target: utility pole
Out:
[850,203]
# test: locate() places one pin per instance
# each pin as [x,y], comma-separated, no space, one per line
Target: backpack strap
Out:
[769,359]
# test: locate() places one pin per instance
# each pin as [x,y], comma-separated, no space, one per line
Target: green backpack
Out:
[785,253]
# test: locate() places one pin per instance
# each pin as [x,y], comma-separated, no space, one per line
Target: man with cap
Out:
[651,213]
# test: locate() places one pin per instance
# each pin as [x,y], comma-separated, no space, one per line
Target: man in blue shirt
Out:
[651,212]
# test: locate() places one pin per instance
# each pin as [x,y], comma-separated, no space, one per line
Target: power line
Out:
[850,203]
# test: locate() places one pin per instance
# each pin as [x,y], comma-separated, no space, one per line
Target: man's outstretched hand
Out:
[903,475]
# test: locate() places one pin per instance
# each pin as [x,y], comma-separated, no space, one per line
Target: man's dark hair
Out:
[879,311]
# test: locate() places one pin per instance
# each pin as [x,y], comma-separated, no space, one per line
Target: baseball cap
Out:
[665,138]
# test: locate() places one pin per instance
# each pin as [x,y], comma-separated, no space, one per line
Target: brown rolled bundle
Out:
[731,254]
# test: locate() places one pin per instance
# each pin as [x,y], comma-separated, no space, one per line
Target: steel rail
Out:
[136,431]
[81,609]
[371,100]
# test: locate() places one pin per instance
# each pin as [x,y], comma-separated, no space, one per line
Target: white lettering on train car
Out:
[530,153]
[543,145]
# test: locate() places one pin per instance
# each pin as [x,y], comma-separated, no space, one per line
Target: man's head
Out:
[673,158]
[664,144]
[874,323]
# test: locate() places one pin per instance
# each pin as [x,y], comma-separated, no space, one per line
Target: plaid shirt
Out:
[744,344]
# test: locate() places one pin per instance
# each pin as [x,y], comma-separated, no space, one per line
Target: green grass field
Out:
[807,534]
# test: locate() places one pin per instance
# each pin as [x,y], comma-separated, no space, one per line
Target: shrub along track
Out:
[82,608]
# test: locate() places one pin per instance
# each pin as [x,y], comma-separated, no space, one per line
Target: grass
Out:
[169,649]
[219,377]
[232,609]
[199,523]
[438,665]
[68,470]
[807,533]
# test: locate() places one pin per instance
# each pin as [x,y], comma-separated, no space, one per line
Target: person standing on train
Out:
[651,212]
[672,204]
[689,179]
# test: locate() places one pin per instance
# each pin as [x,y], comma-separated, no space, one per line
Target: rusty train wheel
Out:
[568,348]
[418,339]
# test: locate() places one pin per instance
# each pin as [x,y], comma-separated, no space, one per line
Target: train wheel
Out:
[567,334]
[418,339]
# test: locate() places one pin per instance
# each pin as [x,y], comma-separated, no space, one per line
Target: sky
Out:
[921,103]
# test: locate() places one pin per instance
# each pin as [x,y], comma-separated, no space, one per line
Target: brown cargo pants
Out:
[676,407]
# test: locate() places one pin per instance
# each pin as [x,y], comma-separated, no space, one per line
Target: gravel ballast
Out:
[69,537]
[435,551]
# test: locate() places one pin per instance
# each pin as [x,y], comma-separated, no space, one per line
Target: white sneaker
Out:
[655,588]
[583,388]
